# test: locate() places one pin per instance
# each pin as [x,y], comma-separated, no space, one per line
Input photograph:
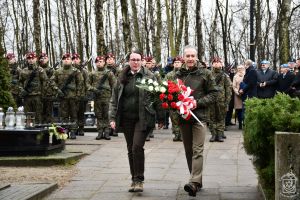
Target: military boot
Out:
[100,135]
[106,134]
[222,135]
[80,131]
[72,135]
[219,137]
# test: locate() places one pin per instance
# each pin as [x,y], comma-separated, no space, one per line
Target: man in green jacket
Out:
[201,81]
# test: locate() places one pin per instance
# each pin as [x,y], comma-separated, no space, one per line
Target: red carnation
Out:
[180,97]
[165,105]
[162,96]
[170,97]
[173,105]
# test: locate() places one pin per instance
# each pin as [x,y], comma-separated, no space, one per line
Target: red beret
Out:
[148,59]
[66,55]
[10,56]
[98,58]
[75,56]
[30,55]
[43,55]
[216,59]
[109,55]
[178,58]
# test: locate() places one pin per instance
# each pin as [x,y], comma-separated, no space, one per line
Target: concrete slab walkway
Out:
[104,175]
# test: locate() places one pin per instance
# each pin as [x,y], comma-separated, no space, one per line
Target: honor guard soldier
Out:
[102,82]
[177,63]
[219,107]
[82,91]
[32,79]
[49,92]
[68,79]
[14,73]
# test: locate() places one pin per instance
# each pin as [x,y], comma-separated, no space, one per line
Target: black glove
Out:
[23,94]
[98,92]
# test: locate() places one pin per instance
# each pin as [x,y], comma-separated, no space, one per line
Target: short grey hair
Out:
[248,62]
[190,47]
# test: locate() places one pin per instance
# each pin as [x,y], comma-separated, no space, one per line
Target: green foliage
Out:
[262,118]
[6,98]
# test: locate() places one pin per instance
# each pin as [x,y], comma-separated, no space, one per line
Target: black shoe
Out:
[115,134]
[166,127]
[72,135]
[225,129]
[80,132]
[240,126]
[148,138]
[100,136]
[106,135]
[223,136]
[213,138]
[151,135]
[192,188]
[219,139]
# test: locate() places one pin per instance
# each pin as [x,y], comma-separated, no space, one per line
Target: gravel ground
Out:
[57,174]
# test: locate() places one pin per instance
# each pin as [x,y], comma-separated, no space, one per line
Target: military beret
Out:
[265,62]
[178,58]
[75,56]
[43,55]
[10,56]
[30,55]
[98,58]
[284,66]
[216,59]
[109,55]
[66,55]
[148,59]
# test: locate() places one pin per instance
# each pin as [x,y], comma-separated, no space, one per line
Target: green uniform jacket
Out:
[224,85]
[205,91]
[146,101]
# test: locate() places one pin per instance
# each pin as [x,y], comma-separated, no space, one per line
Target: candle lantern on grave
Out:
[10,118]
[20,118]
[30,120]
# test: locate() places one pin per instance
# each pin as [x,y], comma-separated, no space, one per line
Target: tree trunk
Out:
[59,28]
[136,24]
[224,29]
[126,26]
[110,37]
[37,26]
[79,30]
[183,14]
[157,46]
[186,28]
[47,44]
[284,46]
[170,29]
[213,36]
[258,38]
[87,32]
[99,27]
[252,41]
[199,31]
[147,29]
[117,38]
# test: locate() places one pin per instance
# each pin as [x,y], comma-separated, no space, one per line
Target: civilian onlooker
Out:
[248,87]
[266,81]
[229,112]
[238,103]
[292,65]
[285,80]
[296,84]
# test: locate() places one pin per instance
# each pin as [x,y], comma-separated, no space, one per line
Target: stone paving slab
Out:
[228,172]
[28,191]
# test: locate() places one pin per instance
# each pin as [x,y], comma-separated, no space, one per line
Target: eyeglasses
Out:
[135,60]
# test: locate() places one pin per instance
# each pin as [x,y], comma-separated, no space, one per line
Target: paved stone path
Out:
[104,175]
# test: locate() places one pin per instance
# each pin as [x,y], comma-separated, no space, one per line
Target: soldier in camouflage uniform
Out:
[31,81]
[111,66]
[68,79]
[14,73]
[219,107]
[177,63]
[49,92]
[102,82]
[82,93]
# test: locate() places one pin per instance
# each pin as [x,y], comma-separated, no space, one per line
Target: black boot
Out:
[100,135]
[219,138]
[73,135]
[240,126]
[80,131]
[106,134]
[213,138]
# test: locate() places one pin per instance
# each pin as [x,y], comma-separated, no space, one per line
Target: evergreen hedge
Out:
[262,118]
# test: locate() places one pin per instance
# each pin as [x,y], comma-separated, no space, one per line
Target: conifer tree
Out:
[6,99]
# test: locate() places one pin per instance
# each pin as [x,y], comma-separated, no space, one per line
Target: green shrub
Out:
[262,118]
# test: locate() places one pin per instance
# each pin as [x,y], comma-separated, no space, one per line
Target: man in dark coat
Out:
[248,88]
[266,81]
[285,80]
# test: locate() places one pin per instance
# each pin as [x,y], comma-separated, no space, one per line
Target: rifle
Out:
[85,63]
[55,66]
[67,82]
[121,60]
[28,84]
[99,87]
